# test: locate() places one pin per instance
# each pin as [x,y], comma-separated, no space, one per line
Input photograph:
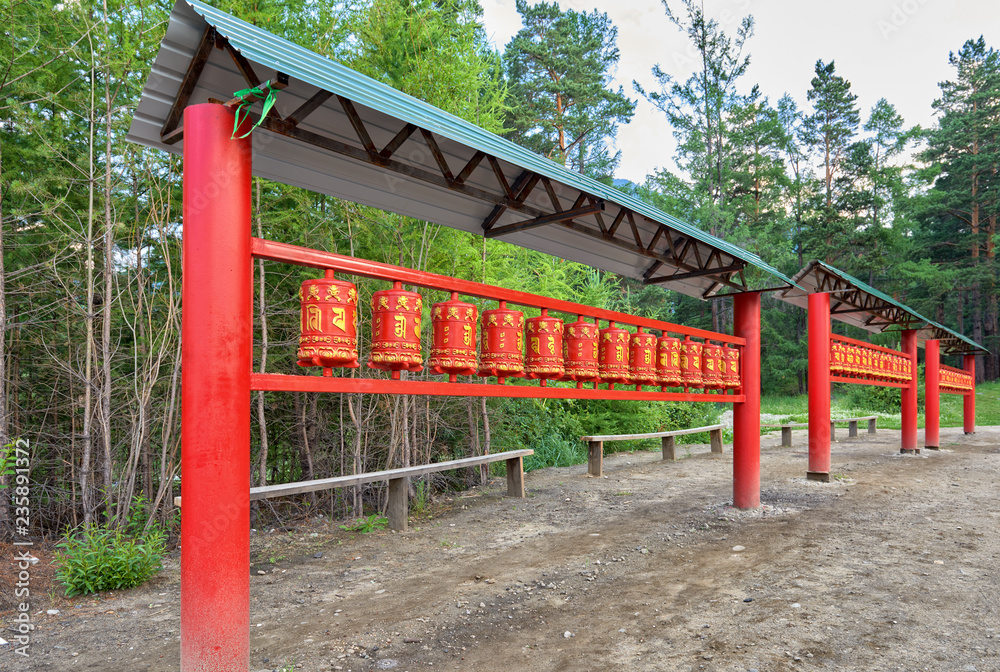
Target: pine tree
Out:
[966,149]
[559,69]
[829,131]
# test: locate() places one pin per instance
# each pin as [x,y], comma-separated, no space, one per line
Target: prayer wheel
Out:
[612,355]
[730,368]
[501,340]
[580,351]
[837,358]
[668,361]
[642,358]
[691,363]
[396,316]
[454,344]
[851,365]
[544,358]
[329,335]
[711,367]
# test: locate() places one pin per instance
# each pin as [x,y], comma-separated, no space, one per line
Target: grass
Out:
[796,408]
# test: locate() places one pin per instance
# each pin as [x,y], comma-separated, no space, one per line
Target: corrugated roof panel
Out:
[383,112]
[810,278]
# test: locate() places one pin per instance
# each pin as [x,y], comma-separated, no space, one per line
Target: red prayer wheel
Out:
[580,351]
[837,358]
[691,363]
[544,358]
[851,360]
[668,361]
[730,368]
[642,358]
[500,343]
[612,355]
[329,336]
[453,350]
[396,316]
[711,366]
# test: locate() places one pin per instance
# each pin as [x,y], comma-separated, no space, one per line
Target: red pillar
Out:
[932,394]
[969,399]
[216,361]
[819,388]
[909,414]
[746,416]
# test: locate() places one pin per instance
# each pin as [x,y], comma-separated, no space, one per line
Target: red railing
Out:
[856,362]
[282,252]
[955,381]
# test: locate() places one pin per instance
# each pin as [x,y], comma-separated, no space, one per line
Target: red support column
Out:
[819,388]
[746,416]
[909,393]
[969,399]
[216,359]
[932,394]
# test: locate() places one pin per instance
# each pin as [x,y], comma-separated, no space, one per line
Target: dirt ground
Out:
[893,566]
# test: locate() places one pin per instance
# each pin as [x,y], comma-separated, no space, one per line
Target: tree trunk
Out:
[4,432]
[484,470]
[108,298]
[473,428]
[86,482]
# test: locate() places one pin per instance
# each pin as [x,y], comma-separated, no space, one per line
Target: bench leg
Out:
[667,446]
[715,436]
[398,509]
[871,426]
[852,428]
[515,477]
[786,437]
[595,458]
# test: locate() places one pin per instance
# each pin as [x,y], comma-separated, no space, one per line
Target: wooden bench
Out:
[595,444]
[852,427]
[397,510]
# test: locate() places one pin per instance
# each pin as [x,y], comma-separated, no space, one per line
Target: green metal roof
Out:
[857,303]
[314,141]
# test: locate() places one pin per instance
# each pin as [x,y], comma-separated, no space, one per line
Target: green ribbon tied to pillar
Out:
[247,98]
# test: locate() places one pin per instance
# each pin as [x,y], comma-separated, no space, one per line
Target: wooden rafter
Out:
[188,84]
[556,217]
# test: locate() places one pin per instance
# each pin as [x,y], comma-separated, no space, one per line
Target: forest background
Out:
[90,231]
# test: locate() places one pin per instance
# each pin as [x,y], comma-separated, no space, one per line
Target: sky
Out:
[892,49]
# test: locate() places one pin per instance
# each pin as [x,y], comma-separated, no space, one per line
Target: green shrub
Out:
[95,558]
[367,524]
[874,398]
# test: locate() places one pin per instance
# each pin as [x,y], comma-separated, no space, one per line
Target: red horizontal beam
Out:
[277,382]
[945,367]
[865,381]
[303,256]
[869,346]
[956,393]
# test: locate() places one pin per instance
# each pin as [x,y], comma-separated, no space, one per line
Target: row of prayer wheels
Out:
[956,381]
[853,360]
[579,351]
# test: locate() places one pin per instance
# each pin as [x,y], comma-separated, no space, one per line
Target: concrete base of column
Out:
[820,476]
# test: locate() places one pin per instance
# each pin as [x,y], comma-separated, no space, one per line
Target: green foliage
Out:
[421,496]
[367,524]
[94,559]
[881,399]
[7,461]
[553,427]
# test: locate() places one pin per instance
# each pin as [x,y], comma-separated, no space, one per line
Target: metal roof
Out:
[338,132]
[861,305]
